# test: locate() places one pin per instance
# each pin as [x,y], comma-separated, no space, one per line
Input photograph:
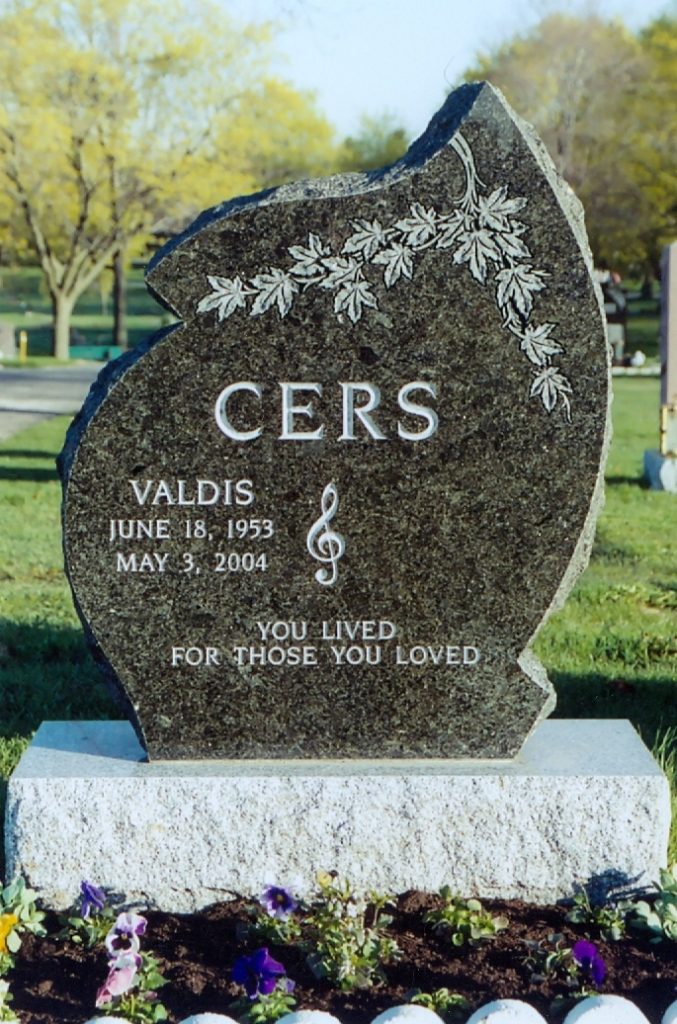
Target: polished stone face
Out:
[324,515]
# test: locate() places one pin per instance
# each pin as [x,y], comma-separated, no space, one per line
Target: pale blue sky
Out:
[401,56]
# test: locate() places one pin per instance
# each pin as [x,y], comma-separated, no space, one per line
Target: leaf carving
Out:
[368,238]
[476,248]
[397,260]
[516,287]
[481,230]
[352,295]
[421,227]
[276,288]
[537,344]
[228,295]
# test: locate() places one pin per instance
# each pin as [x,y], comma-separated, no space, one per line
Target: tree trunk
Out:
[120,335]
[62,308]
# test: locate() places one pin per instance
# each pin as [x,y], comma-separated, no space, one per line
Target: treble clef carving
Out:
[323,543]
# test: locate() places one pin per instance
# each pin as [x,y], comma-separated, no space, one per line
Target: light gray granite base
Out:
[660,471]
[584,803]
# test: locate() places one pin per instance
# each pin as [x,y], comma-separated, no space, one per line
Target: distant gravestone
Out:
[8,348]
[669,350]
[660,466]
[325,514]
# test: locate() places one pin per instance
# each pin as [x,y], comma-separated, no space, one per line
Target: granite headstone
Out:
[660,465]
[324,514]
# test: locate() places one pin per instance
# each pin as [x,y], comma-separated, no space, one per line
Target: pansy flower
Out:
[7,923]
[259,974]
[121,978]
[278,902]
[589,960]
[92,899]
[124,935]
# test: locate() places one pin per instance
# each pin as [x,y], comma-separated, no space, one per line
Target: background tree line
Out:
[118,126]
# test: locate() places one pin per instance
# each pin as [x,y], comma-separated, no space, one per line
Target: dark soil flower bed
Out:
[55,982]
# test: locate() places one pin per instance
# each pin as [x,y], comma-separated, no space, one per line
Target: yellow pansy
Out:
[7,922]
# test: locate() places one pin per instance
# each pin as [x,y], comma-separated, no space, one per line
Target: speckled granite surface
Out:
[449,297]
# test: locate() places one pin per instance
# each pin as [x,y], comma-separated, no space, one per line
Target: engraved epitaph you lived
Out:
[326,512]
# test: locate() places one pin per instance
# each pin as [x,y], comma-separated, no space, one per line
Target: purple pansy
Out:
[121,977]
[278,901]
[259,973]
[91,899]
[586,956]
[124,935]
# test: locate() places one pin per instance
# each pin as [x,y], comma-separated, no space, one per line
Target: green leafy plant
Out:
[345,935]
[90,920]
[550,960]
[274,918]
[6,1012]
[130,990]
[140,1005]
[465,921]
[581,968]
[265,1009]
[608,918]
[448,1005]
[660,917]
[18,913]
[267,987]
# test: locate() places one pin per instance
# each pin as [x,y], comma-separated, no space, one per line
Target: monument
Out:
[660,466]
[311,530]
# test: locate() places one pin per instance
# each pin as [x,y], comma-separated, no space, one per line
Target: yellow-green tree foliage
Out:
[585,84]
[115,114]
[655,143]
[379,142]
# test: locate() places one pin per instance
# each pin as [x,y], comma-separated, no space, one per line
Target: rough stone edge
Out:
[572,208]
[109,376]
[573,211]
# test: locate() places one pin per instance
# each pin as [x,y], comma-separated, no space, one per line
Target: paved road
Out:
[28,396]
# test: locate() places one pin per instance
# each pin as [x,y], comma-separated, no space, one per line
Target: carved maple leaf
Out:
[352,296]
[276,288]
[552,386]
[368,238]
[476,248]
[496,209]
[341,269]
[227,295]
[537,344]
[308,258]
[516,287]
[420,227]
[397,260]
[450,227]
[510,242]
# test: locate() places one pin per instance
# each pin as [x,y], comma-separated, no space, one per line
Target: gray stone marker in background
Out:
[660,467]
[8,346]
[311,531]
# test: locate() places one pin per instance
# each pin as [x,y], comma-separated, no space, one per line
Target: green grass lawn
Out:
[611,652]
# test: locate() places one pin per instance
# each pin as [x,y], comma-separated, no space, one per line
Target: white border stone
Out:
[506,1011]
[584,803]
[605,1010]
